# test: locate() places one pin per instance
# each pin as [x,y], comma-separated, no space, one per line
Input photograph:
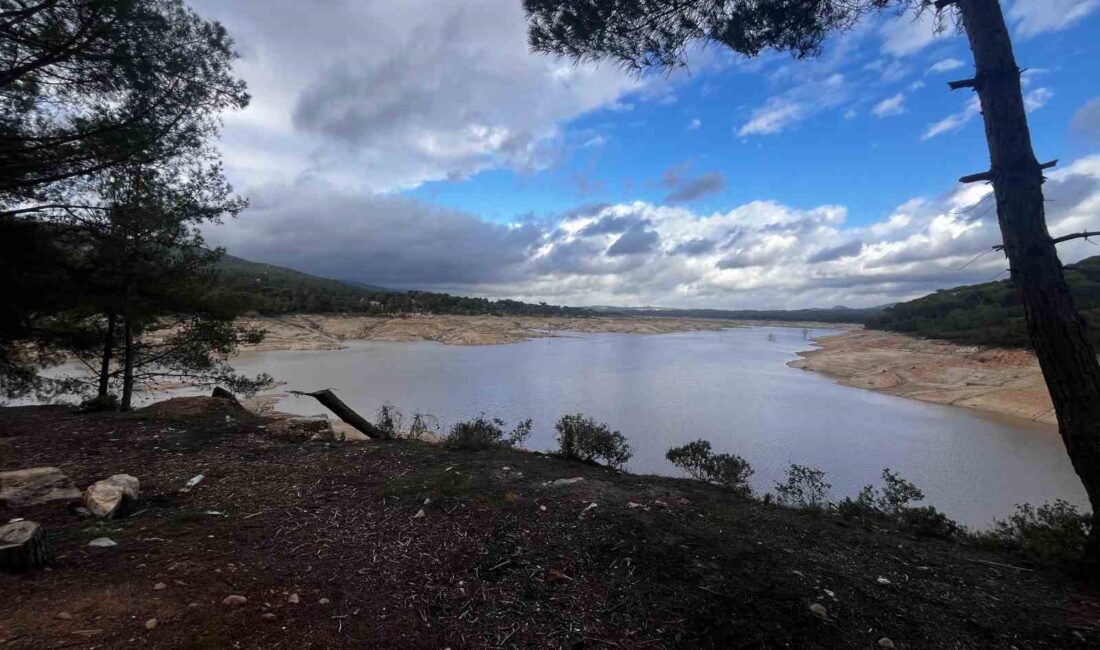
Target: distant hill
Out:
[829,315]
[273,290]
[987,314]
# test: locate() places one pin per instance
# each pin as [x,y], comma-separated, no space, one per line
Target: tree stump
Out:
[23,547]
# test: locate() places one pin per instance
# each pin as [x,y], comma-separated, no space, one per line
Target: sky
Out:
[419,144]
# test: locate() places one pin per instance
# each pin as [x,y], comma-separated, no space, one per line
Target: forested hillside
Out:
[271,290]
[987,314]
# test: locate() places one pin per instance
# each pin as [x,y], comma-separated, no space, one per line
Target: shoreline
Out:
[330,331]
[999,381]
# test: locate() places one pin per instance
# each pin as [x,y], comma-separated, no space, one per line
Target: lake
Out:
[731,387]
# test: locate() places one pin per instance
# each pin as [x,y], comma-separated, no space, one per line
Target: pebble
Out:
[234,600]
[419,514]
[268,616]
[324,601]
[102,542]
[882,581]
[159,586]
[817,609]
[886,644]
[150,624]
[292,599]
[65,616]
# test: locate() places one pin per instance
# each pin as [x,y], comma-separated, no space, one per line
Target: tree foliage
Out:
[583,438]
[729,471]
[641,34]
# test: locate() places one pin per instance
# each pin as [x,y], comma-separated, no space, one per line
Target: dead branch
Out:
[329,400]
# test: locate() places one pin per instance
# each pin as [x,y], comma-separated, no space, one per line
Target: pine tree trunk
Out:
[128,365]
[1055,327]
[105,365]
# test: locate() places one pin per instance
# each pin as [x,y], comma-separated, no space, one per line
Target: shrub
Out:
[729,471]
[107,402]
[423,427]
[390,420]
[805,487]
[894,505]
[483,433]
[584,439]
[1053,532]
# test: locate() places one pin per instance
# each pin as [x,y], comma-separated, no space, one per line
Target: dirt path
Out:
[406,545]
[1004,381]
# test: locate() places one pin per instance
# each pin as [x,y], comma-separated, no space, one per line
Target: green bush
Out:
[894,505]
[1054,533]
[584,439]
[805,487]
[483,433]
[729,471]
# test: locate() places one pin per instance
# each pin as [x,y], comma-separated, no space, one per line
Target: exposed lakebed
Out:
[732,387]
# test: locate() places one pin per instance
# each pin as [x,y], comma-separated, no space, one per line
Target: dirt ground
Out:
[997,380]
[408,545]
[329,331]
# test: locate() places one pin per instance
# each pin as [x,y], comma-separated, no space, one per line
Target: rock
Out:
[102,542]
[151,624]
[591,506]
[419,514]
[886,644]
[23,546]
[324,601]
[192,482]
[159,586]
[83,512]
[28,487]
[222,393]
[301,429]
[818,610]
[65,616]
[268,616]
[234,600]
[882,581]
[112,497]
[563,482]
[293,599]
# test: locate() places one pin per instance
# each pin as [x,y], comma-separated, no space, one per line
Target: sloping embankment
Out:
[997,380]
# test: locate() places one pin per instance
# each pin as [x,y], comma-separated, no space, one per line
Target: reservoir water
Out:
[731,387]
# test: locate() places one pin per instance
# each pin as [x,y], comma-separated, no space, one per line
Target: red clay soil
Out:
[497,559]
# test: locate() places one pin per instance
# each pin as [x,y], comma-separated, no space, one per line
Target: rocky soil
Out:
[404,544]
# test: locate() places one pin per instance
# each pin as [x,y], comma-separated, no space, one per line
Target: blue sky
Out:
[869,163]
[421,145]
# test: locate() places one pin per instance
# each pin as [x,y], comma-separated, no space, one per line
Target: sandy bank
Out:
[996,380]
[329,331]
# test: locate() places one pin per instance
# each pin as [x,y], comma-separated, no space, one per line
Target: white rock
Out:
[293,599]
[882,581]
[591,506]
[192,482]
[562,482]
[102,542]
[419,514]
[817,609]
[28,487]
[234,600]
[112,497]
[886,644]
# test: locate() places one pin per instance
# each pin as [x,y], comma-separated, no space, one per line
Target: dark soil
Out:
[497,559]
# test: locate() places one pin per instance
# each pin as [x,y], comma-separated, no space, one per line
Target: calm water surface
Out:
[732,388]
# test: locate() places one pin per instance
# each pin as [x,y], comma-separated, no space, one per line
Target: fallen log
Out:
[23,547]
[329,400]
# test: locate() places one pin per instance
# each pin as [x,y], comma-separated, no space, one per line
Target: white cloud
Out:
[1086,120]
[760,254]
[1037,99]
[1032,17]
[772,117]
[890,106]
[955,121]
[694,124]
[385,96]
[946,65]
[913,31]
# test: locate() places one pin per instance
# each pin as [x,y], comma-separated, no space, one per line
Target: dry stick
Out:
[997,564]
[329,400]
